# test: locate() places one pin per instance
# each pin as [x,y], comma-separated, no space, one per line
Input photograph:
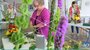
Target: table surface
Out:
[79,25]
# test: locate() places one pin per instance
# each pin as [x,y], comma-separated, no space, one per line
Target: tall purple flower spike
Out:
[61,29]
[60,33]
[60,4]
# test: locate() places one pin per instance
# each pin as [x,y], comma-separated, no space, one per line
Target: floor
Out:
[82,36]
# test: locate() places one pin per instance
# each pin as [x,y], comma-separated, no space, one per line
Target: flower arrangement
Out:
[16,30]
[11,29]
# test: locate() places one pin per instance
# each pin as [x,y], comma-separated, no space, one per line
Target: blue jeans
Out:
[77,29]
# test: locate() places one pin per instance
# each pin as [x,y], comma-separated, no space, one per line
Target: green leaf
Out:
[27,1]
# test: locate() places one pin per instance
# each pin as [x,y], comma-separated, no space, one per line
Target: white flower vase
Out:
[41,42]
[7,45]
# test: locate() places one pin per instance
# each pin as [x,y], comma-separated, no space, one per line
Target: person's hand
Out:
[31,26]
[35,26]
[39,25]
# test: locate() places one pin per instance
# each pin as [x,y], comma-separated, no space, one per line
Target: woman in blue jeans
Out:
[72,10]
[77,29]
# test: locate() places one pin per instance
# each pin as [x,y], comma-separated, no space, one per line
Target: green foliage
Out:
[50,37]
[18,39]
[32,47]
[24,9]
[27,1]
[56,19]
[22,22]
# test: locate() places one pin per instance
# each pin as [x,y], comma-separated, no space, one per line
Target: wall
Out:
[85,8]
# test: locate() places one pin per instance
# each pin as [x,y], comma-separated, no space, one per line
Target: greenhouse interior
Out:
[44,24]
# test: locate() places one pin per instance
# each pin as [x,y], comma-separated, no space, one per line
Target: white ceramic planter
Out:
[7,45]
[41,43]
[40,49]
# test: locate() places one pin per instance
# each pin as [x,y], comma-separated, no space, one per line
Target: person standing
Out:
[74,9]
[40,18]
[5,5]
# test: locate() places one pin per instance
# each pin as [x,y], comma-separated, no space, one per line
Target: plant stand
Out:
[7,45]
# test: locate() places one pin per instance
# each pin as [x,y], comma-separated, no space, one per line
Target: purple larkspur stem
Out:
[62,27]
[60,4]
[60,33]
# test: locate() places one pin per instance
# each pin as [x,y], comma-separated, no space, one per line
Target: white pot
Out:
[41,43]
[7,45]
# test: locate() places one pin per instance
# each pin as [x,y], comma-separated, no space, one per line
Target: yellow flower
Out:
[76,17]
[15,29]
[66,45]
[7,33]
[79,43]
[70,40]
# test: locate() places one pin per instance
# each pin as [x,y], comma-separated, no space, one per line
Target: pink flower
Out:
[53,34]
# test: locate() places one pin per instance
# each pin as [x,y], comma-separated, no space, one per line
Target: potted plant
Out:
[20,24]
